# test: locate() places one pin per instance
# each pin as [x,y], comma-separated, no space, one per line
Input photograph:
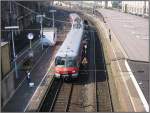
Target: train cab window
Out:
[59,61]
[67,62]
[62,62]
[71,63]
[44,36]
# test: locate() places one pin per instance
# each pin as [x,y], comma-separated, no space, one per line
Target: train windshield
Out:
[70,63]
[66,62]
[59,61]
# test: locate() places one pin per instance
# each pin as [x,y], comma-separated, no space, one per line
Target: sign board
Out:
[84,61]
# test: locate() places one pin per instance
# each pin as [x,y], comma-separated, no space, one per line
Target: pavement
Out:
[132,33]
[141,72]
[23,93]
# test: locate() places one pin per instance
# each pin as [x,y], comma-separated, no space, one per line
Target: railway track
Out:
[62,98]
[103,96]
[57,98]
[97,70]
[45,105]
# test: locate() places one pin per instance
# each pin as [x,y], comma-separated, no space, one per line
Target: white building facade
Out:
[136,7]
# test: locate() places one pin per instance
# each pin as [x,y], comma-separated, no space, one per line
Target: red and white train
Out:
[68,57]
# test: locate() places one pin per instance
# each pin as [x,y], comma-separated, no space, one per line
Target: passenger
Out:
[28,78]
[104,20]
[109,35]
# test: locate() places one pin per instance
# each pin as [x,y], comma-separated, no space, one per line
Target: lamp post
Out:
[41,22]
[94,6]
[53,11]
[144,8]
[12,28]
[30,37]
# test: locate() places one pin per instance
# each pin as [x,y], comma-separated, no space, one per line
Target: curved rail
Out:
[48,98]
[69,99]
[62,98]
[57,91]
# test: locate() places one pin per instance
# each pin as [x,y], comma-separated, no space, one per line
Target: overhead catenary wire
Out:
[39,13]
[45,16]
[40,29]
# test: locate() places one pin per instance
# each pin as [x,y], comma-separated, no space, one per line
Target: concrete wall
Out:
[7,88]
[5,58]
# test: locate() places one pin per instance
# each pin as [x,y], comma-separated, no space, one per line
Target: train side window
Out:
[62,62]
[44,36]
[59,61]
[71,63]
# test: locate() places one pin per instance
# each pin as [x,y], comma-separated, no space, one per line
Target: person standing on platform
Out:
[109,35]
[28,78]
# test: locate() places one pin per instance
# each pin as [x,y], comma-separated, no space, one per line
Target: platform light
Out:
[12,28]
[41,22]
[30,37]
[53,11]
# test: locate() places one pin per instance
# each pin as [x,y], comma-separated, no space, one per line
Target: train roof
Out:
[71,45]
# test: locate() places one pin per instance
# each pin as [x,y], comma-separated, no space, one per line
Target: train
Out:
[68,57]
[49,36]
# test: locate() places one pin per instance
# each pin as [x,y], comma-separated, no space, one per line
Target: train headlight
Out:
[73,71]
[57,71]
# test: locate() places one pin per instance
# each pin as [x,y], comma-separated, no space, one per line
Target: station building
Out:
[136,7]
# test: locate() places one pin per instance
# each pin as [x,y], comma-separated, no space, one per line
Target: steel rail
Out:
[69,99]
[95,75]
[46,103]
[55,97]
[42,102]
[66,108]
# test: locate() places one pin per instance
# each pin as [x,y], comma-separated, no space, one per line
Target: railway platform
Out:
[23,93]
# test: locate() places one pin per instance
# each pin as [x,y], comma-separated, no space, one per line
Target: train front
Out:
[66,67]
